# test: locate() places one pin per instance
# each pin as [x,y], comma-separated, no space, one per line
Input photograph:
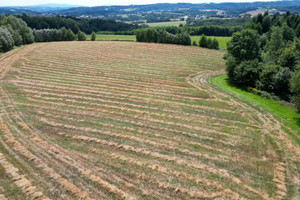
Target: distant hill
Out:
[178,7]
[6,10]
[48,8]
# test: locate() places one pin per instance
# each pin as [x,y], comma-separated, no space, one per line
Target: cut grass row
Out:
[222,40]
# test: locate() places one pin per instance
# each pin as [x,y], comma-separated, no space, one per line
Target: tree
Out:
[288,57]
[295,88]
[247,73]
[20,27]
[230,66]
[282,83]
[209,43]
[288,34]
[297,32]
[266,24]
[16,36]
[267,77]
[6,40]
[215,44]
[93,36]
[275,44]
[81,36]
[244,46]
[203,41]
[69,35]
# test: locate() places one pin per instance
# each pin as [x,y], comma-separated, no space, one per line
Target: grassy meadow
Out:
[171,23]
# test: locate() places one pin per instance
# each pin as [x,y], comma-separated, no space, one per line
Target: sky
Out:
[106,2]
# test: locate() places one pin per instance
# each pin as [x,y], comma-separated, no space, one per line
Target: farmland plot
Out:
[123,120]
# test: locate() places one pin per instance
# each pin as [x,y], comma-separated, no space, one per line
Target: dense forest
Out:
[265,57]
[75,24]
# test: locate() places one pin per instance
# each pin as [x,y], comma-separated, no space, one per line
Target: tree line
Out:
[15,32]
[76,24]
[265,57]
[212,30]
[209,43]
[162,36]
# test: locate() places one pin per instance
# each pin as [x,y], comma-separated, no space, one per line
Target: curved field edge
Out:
[283,113]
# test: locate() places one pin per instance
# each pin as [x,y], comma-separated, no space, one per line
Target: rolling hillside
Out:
[124,120]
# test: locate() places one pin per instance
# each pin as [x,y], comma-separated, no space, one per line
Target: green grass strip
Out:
[285,114]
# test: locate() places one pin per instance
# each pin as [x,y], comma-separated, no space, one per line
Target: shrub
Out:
[6,40]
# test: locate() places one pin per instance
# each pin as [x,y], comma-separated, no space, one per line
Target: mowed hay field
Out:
[124,120]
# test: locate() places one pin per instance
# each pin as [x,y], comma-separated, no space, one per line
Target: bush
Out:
[6,40]
[81,36]
[93,36]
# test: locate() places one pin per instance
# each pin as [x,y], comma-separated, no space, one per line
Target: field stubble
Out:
[123,120]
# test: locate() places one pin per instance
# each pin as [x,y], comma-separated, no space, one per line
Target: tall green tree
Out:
[203,41]
[6,40]
[20,28]
[81,36]
[275,44]
[93,36]
[69,35]
[244,46]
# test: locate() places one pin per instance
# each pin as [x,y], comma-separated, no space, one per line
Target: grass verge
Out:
[283,113]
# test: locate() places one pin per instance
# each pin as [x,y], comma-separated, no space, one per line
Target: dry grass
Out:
[122,120]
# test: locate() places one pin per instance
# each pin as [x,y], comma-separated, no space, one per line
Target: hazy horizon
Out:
[110,2]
